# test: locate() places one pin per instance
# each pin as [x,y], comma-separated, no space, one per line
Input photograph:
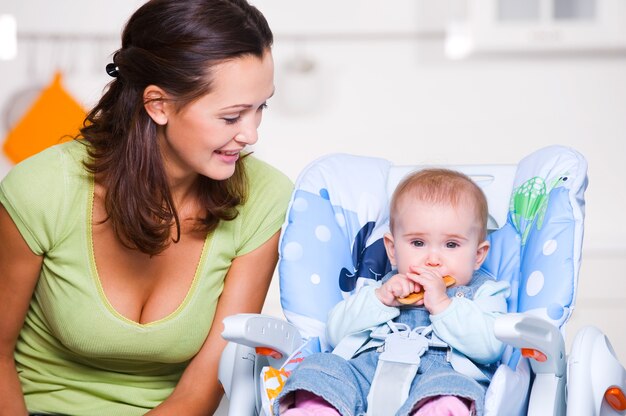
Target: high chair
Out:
[331,245]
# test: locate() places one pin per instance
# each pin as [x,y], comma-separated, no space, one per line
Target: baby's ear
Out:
[481,254]
[390,248]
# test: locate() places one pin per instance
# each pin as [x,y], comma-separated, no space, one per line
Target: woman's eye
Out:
[262,107]
[231,120]
[417,243]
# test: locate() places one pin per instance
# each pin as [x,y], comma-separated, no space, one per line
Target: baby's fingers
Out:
[425,272]
[401,289]
[415,279]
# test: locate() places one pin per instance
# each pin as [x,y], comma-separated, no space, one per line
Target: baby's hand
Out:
[398,286]
[417,298]
[436,299]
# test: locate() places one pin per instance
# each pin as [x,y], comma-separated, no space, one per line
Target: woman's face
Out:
[207,136]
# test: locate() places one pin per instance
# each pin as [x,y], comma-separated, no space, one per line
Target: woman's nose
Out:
[248,132]
[247,137]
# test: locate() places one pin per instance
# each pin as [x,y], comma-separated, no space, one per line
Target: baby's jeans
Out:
[345,384]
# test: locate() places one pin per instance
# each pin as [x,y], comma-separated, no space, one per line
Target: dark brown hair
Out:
[173,44]
[445,186]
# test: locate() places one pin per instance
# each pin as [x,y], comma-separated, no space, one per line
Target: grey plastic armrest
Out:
[530,332]
[593,370]
[240,364]
[237,374]
[255,330]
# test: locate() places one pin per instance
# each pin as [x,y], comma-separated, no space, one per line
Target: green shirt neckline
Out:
[98,283]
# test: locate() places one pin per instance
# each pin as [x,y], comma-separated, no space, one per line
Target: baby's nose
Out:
[433,260]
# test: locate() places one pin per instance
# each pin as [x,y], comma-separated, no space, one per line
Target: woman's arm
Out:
[19,271]
[199,392]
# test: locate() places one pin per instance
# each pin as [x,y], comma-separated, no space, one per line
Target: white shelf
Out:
[535,26]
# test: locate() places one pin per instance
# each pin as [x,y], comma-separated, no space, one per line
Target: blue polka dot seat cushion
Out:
[332,245]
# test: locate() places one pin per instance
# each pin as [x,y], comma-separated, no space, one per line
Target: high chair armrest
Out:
[267,334]
[537,338]
[543,343]
[596,379]
[255,341]
[237,374]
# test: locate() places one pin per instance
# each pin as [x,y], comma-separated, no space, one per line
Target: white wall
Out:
[396,96]
[382,87]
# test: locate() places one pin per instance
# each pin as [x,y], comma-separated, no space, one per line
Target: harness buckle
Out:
[405,347]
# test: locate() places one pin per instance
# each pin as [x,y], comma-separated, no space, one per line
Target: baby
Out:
[438,227]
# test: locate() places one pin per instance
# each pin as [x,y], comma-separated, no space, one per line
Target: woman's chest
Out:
[71,310]
[144,288]
[85,316]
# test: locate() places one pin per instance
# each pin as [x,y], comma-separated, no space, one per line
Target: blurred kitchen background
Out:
[413,81]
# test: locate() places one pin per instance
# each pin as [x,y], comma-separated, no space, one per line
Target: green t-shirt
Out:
[76,355]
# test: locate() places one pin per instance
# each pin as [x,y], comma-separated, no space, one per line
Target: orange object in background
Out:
[54,117]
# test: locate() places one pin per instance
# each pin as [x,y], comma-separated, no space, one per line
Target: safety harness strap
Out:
[348,346]
[390,387]
[401,350]
[464,365]
[397,366]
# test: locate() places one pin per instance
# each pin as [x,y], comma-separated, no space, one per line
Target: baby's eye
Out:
[452,244]
[417,243]
[262,107]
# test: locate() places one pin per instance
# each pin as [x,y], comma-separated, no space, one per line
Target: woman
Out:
[121,253]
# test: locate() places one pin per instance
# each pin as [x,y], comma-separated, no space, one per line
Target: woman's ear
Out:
[390,248]
[154,102]
[481,254]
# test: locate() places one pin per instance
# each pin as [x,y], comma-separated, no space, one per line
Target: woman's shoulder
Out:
[50,163]
[46,177]
[266,178]
[263,212]
[255,165]
[41,194]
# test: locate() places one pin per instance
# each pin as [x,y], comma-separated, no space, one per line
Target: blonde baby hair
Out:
[442,186]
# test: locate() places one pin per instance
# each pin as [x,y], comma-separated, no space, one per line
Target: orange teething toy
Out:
[417,296]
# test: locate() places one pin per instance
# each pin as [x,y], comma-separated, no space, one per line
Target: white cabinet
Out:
[538,26]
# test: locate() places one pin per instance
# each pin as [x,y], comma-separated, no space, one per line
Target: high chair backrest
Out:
[332,238]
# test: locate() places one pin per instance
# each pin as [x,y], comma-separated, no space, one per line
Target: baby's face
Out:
[437,236]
